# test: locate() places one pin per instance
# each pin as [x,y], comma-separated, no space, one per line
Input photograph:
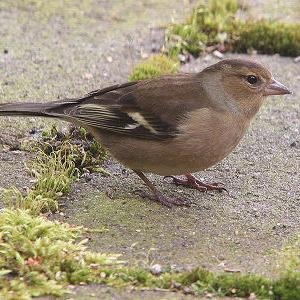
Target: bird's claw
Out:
[197,184]
[166,201]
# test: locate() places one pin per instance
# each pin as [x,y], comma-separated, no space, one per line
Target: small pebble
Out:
[222,264]
[232,270]
[177,285]
[32,131]
[218,54]
[156,269]
[144,55]
[221,257]
[183,58]
[297,59]
[252,297]
[188,290]
[109,59]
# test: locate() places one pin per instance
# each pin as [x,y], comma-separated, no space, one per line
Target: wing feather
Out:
[149,109]
[112,118]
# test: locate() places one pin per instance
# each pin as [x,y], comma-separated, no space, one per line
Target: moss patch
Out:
[61,158]
[40,257]
[207,26]
[54,175]
[216,25]
[291,256]
[80,146]
[289,284]
[154,66]
[269,37]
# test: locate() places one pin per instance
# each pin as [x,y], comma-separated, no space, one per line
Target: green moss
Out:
[40,257]
[288,286]
[236,285]
[60,160]
[201,281]
[186,39]
[243,285]
[54,174]
[291,256]
[214,18]
[154,66]
[216,24]
[207,26]
[269,37]
[80,147]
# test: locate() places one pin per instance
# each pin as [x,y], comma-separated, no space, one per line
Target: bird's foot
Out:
[194,183]
[165,200]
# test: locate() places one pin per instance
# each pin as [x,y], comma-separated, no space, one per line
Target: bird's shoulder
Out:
[168,97]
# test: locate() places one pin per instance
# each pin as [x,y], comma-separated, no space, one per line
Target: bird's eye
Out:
[252,79]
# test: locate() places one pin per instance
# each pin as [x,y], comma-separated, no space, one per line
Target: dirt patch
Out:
[286,11]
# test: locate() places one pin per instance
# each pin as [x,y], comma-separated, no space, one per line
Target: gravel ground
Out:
[242,231]
[283,10]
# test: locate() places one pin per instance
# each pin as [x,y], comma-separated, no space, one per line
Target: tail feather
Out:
[23,109]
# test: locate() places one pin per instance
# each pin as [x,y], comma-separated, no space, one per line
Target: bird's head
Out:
[245,82]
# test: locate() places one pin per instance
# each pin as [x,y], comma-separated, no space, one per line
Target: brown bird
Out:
[171,125]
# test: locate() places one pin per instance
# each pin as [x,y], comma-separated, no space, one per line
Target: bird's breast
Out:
[209,136]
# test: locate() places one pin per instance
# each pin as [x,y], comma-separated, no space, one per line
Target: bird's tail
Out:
[28,109]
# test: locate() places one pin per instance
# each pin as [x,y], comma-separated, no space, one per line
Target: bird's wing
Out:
[149,109]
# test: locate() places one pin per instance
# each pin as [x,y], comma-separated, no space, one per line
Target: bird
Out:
[169,125]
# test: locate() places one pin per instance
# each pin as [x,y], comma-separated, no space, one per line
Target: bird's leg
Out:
[158,196]
[192,182]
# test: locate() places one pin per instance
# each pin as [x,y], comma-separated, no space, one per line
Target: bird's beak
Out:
[276,88]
